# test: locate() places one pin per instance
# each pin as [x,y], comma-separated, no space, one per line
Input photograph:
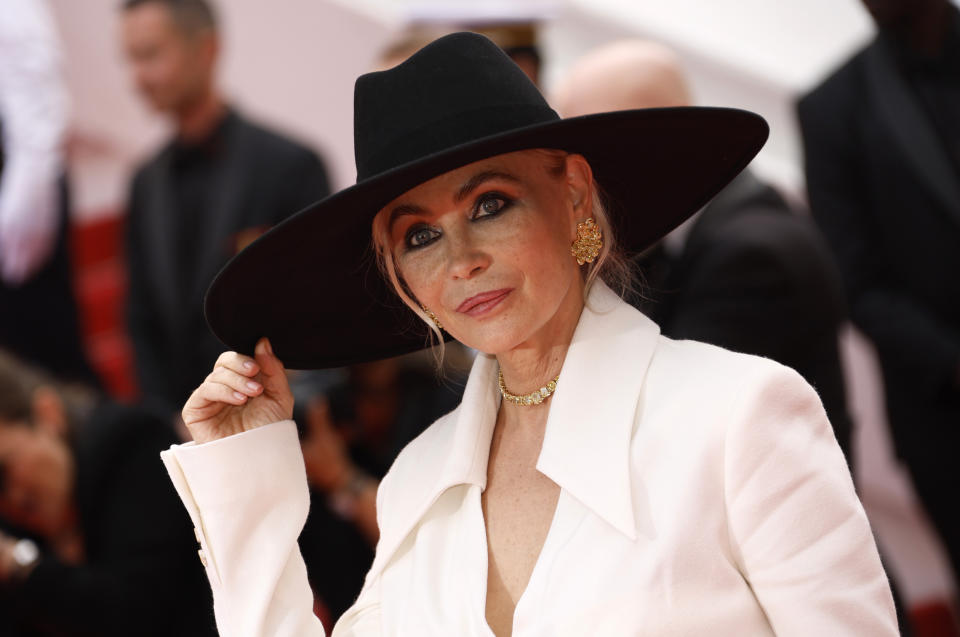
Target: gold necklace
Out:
[533,398]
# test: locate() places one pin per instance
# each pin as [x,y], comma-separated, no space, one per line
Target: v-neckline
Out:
[562,525]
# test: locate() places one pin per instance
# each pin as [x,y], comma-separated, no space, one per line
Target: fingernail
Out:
[252,386]
[247,364]
[269,348]
[239,396]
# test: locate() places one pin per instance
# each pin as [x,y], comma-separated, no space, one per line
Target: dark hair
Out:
[19,381]
[191,16]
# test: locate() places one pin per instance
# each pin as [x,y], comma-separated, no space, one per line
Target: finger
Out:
[209,398]
[238,382]
[212,393]
[272,373]
[239,363]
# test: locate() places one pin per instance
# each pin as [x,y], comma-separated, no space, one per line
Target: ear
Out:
[579,178]
[49,413]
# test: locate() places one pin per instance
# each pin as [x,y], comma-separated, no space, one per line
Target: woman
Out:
[664,488]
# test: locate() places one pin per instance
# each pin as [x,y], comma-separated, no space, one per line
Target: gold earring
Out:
[433,317]
[589,240]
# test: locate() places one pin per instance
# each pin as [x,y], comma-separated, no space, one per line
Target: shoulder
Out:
[716,384]
[785,240]
[842,85]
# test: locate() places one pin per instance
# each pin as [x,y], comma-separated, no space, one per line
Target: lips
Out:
[482,303]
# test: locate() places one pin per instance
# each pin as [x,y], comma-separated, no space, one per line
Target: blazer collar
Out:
[586,448]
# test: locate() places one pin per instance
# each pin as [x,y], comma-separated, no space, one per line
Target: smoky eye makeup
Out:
[490,204]
[419,235]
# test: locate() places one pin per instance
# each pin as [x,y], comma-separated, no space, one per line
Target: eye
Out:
[419,236]
[491,204]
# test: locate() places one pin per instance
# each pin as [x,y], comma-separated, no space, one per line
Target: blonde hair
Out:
[611,266]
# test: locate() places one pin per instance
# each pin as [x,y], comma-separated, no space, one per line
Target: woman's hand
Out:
[240,394]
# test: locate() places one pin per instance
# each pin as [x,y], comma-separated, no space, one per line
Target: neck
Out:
[532,364]
[197,119]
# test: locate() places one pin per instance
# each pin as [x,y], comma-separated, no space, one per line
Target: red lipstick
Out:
[480,304]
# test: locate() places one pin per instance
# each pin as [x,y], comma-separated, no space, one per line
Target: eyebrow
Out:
[474,182]
[468,186]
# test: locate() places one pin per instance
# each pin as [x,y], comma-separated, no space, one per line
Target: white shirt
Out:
[702,493]
[34,108]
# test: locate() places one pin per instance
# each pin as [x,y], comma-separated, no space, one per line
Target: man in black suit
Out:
[753,276]
[93,540]
[882,142]
[217,185]
[745,273]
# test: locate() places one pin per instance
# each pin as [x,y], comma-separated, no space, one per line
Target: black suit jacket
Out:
[887,197]
[754,277]
[260,178]
[141,574]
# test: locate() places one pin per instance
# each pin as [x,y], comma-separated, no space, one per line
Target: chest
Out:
[518,504]
[588,579]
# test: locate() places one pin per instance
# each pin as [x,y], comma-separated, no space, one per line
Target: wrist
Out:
[19,559]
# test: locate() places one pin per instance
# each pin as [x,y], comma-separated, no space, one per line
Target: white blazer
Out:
[702,493]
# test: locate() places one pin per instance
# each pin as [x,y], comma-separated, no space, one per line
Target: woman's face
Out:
[486,247]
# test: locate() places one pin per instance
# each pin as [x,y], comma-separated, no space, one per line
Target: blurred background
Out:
[291,66]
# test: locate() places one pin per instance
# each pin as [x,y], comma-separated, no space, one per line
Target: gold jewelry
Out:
[589,240]
[433,317]
[533,398]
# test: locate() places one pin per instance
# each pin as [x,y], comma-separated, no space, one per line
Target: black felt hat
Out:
[311,283]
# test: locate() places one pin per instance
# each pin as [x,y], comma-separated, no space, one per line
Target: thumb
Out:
[271,369]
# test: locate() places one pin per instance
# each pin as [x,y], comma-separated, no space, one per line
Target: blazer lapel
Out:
[454,451]
[161,249]
[587,446]
[225,215]
[911,128]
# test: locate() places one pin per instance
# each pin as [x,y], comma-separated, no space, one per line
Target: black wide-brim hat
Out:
[311,284]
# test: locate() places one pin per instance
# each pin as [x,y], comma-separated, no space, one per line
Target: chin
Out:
[494,340]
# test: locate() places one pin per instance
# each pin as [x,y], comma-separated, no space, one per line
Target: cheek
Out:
[422,273]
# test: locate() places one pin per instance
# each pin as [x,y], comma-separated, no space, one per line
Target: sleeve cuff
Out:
[230,484]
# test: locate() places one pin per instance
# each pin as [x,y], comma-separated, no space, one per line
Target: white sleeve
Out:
[247,497]
[801,536]
[34,108]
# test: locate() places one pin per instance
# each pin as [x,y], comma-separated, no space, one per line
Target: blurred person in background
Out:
[38,313]
[353,430]
[513,26]
[882,144]
[746,272]
[217,185]
[94,542]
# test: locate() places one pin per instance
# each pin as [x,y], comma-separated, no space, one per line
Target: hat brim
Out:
[311,283]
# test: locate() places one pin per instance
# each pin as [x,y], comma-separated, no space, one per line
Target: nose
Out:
[466,258]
